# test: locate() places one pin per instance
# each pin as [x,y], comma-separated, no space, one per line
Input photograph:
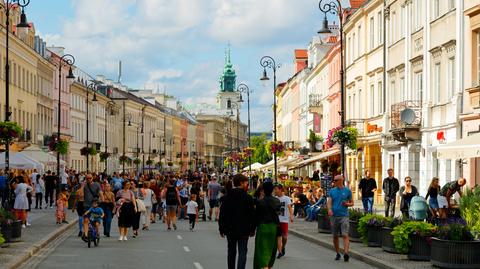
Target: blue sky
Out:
[179,45]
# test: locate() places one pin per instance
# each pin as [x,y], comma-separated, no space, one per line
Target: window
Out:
[436,9]
[451,4]
[380,97]
[451,78]
[360,101]
[353,48]
[372,100]
[350,107]
[359,40]
[478,57]
[417,23]
[394,27]
[372,33]
[380,27]
[392,91]
[436,84]
[418,87]
[402,22]
[354,106]
[349,58]
[401,93]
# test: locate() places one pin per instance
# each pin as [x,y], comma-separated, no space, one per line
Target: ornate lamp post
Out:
[269,62]
[243,88]
[91,87]
[126,118]
[335,7]
[23,25]
[109,107]
[69,60]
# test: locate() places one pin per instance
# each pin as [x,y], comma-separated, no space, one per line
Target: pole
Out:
[138,148]
[342,89]
[106,133]
[143,142]
[86,155]
[248,112]
[124,127]
[7,86]
[59,112]
[164,142]
[238,137]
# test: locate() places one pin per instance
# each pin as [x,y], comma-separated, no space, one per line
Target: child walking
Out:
[62,203]
[192,211]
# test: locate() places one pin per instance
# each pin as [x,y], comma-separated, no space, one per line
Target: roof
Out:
[301,54]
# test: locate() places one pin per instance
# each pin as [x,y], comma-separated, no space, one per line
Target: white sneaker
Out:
[24,226]
[120,238]
[28,224]
[125,238]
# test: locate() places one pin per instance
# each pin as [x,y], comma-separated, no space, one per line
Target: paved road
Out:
[179,249]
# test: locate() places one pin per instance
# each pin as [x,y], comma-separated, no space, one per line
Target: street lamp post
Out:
[269,62]
[69,60]
[90,87]
[335,7]
[22,25]
[243,88]
[232,106]
[125,116]
[108,108]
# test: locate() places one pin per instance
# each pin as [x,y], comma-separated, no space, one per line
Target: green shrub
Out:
[470,210]
[370,220]
[401,234]
[354,214]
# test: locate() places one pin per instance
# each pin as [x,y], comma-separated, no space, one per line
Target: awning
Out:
[47,159]
[20,161]
[316,158]
[267,166]
[467,147]
[255,166]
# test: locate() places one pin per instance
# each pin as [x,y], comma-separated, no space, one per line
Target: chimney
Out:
[301,59]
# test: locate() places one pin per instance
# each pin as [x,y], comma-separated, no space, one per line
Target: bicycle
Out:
[92,235]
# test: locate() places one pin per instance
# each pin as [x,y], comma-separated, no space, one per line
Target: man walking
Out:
[213,188]
[368,186]
[390,189]
[50,183]
[339,199]
[286,215]
[236,221]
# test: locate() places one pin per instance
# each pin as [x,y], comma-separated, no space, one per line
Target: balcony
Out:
[474,95]
[406,120]
[314,103]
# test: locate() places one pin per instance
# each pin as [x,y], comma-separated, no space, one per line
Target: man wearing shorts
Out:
[286,215]
[213,189]
[445,194]
[339,199]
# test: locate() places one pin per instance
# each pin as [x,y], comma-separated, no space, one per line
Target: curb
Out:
[354,254]
[37,246]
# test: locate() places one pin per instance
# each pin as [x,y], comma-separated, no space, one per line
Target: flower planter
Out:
[420,249]
[455,254]
[324,223]
[353,232]
[374,236]
[387,240]
[12,232]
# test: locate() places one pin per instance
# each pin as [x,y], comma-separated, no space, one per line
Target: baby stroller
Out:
[418,208]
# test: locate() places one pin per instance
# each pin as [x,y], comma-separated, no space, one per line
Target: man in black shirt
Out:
[390,189]
[50,183]
[368,186]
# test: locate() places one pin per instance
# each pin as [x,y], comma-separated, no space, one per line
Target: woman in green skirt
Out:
[267,210]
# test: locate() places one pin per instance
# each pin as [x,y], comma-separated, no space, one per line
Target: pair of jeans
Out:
[367,204]
[241,243]
[38,200]
[107,221]
[191,219]
[49,195]
[390,207]
[3,197]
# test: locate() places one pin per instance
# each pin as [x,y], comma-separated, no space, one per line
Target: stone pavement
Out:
[34,238]
[374,256]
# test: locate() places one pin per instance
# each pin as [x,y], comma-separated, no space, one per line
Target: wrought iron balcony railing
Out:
[314,100]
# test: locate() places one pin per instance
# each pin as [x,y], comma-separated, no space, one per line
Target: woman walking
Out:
[137,215]
[432,192]
[266,216]
[407,192]
[125,208]
[147,195]
[172,200]
[107,203]
[39,190]
[21,200]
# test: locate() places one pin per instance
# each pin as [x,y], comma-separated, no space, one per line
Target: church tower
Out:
[228,86]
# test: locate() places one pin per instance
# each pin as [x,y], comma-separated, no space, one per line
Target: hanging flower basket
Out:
[149,162]
[137,161]
[228,161]
[104,156]
[190,163]
[276,147]
[180,163]
[159,164]
[344,136]
[123,159]
[9,131]
[248,152]
[60,146]
[88,151]
[170,164]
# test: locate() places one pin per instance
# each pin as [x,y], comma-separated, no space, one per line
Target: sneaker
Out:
[120,238]
[175,227]
[125,238]
[24,226]
[84,238]
[338,257]
[64,221]
[28,224]
[80,234]
[280,254]
[346,257]
[210,218]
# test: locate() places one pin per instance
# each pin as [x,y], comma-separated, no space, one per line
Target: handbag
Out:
[140,206]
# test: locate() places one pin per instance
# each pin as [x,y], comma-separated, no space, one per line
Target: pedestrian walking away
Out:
[192,211]
[390,188]
[339,199]
[172,200]
[213,190]
[285,216]
[236,222]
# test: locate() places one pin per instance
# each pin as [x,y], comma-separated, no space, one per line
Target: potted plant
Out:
[323,221]
[149,162]
[354,216]
[387,238]
[170,164]
[58,145]
[9,131]
[275,147]
[104,156]
[470,210]
[137,161]
[313,139]
[159,164]
[370,229]
[455,247]
[10,227]
[123,159]
[413,238]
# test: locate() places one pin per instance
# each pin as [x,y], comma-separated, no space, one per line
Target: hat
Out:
[214,175]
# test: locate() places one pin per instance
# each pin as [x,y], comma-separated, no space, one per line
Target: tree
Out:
[260,154]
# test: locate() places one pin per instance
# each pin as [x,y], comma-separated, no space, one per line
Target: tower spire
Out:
[228,58]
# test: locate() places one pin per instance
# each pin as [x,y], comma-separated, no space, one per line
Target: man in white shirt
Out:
[286,215]
[33,177]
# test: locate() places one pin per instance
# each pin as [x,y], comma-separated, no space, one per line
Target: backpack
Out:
[171,196]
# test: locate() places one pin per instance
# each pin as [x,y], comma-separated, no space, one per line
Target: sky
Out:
[179,45]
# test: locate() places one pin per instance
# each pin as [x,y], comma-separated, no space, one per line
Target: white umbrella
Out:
[20,161]
[255,166]
[47,159]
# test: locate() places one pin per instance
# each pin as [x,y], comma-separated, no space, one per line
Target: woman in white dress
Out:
[21,200]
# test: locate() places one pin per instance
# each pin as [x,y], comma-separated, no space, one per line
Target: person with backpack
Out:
[172,200]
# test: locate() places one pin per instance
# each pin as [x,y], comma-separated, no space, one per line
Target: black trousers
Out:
[38,199]
[233,243]
[191,219]
[49,195]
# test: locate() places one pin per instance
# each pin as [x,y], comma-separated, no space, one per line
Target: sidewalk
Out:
[35,237]
[373,256]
